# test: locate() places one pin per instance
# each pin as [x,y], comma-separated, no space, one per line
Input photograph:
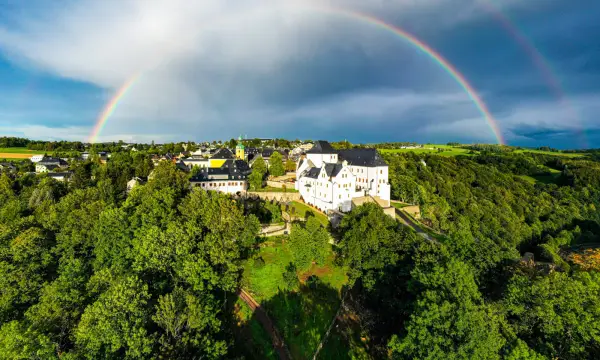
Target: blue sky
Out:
[215,69]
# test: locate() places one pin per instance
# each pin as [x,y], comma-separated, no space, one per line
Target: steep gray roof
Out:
[362,157]
[313,172]
[321,147]
[223,154]
[231,170]
[333,169]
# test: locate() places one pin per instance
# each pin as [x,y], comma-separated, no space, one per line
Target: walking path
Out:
[267,324]
[410,222]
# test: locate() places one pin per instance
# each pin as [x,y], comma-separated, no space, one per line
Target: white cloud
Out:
[195,57]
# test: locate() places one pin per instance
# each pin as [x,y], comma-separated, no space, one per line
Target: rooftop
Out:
[322,147]
[362,157]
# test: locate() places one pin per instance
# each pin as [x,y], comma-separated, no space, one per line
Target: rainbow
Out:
[110,107]
[536,58]
[366,18]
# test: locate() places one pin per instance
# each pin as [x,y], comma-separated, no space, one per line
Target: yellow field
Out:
[15,156]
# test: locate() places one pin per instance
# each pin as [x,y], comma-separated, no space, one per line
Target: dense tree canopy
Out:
[86,273]
[89,270]
[276,164]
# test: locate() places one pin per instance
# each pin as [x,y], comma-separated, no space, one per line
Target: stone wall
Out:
[279,184]
[281,197]
[390,211]
[413,210]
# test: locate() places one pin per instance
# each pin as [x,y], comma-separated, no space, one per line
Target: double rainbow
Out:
[368,19]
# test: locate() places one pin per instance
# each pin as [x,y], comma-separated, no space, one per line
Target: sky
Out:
[217,69]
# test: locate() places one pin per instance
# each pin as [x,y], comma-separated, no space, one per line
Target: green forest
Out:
[89,271]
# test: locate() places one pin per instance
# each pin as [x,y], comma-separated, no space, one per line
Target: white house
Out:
[201,163]
[60,176]
[36,158]
[301,148]
[135,181]
[329,179]
[47,164]
[230,177]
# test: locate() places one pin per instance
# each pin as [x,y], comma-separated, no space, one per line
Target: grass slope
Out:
[431,149]
[302,314]
[22,150]
[551,153]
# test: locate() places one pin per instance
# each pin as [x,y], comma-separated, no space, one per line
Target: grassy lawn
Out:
[552,153]
[302,314]
[431,149]
[399,205]
[302,209]
[22,150]
[274,189]
[547,179]
[527,178]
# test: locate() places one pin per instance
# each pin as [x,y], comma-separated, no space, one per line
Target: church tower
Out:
[239,150]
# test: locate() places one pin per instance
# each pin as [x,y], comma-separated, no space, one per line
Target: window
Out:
[339,196]
[381,171]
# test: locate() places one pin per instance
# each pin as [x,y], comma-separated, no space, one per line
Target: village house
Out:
[48,164]
[330,179]
[224,172]
[36,158]
[135,181]
[231,177]
[60,176]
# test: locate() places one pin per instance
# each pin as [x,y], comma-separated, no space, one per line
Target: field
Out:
[446,150]
[302,314]
[18,153]
[551,153]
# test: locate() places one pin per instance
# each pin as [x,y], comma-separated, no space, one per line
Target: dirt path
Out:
[267,324]
[410,222]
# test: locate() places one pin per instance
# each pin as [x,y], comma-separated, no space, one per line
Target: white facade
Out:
[36,158]
[60,176]
[374,180]
[225,186]
[328,182]
[41,168]
[329,192]
[201,163]
[319,159]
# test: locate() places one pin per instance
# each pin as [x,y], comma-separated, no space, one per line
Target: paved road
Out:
[410,222]
[267,324]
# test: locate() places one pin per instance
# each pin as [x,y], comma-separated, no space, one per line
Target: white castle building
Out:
[329,179]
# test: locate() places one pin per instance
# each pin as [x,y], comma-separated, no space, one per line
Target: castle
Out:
[330,179]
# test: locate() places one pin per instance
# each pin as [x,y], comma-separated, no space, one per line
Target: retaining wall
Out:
[277,196]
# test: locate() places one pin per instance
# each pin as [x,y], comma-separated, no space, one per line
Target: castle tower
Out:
[239,150]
